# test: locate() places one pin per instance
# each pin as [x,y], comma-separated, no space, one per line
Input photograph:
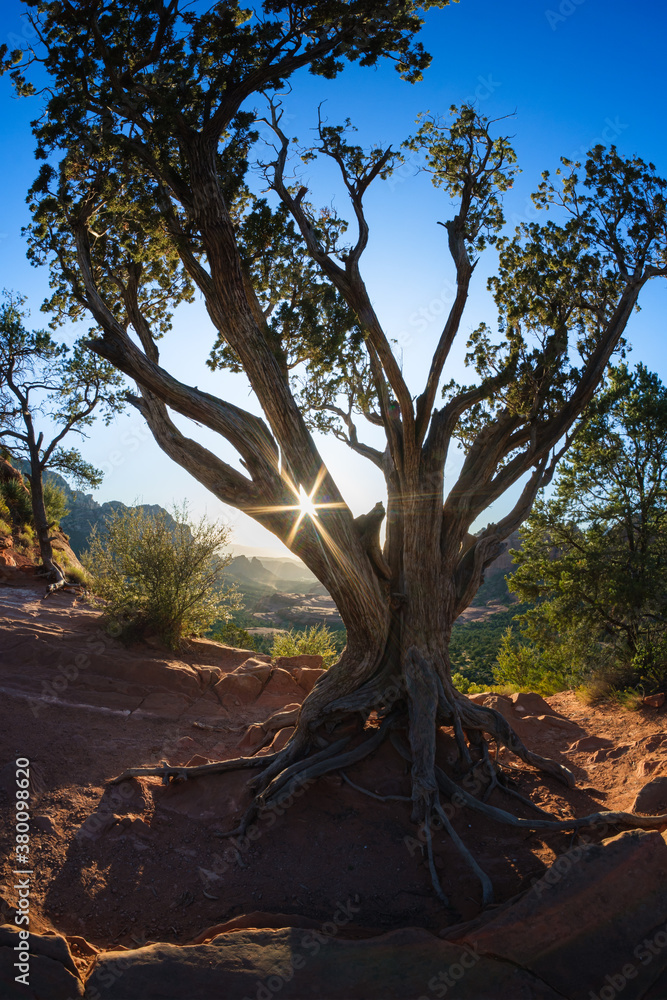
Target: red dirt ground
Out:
[151,865]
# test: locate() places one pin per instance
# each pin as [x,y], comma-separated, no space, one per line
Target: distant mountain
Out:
[246,570]
[85,513]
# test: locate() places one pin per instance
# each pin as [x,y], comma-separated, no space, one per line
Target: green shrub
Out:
[26,538]
[317,639]
[17,501]
[55,503]
[73,572]
[160,574]
[523,667]
[464,685]
[231,634]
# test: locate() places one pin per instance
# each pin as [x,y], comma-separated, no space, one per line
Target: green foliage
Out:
[66,387]
[16,500]
[474,645]
[55,503]
[315,640]
[231,634]
[73,572]
[594,556]
[524,667]
[157,575]
[26,537]
[463,684]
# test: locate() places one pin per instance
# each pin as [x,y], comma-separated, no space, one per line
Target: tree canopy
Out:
[47,393]
[594,555]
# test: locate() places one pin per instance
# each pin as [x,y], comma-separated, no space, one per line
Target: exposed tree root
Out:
[167,772]
[425,695]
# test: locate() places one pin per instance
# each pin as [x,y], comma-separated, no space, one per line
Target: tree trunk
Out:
[40,519]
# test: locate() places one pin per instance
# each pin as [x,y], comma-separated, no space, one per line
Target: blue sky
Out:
[572,72]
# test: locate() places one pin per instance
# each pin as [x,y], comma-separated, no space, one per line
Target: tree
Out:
[40,378]
[594,556]
[161,573]
[150,113]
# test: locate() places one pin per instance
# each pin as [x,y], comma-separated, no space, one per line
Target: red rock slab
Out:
[582,921]
[311,964]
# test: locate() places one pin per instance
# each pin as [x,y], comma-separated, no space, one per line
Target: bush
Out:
[523,667]
[160,574]
[231,634]
[26,538]
[55,503]
[317,639]
[17,500]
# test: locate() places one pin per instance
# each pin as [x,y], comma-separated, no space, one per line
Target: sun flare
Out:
[306,504]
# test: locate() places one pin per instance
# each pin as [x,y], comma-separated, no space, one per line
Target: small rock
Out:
[648,766]
[654,700]
[307,677]
[45,824]
[652,799]
[240,689]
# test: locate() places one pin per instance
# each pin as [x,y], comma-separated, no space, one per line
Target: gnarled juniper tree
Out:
[150,111]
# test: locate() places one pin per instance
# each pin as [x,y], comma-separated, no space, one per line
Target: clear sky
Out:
[572,72]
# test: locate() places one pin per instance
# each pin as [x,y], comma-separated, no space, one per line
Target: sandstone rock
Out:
[307,677]
[282,683]
[256,668]
[654,700]
[649,765]
[314,661]
[293,964]
[651,800]
[214,654]
[197,760]
[53,973]
[573,927]
[589,744]
[253,736]
[529,703]
[238,689]
[279,740]
[6,559]
[479,698]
